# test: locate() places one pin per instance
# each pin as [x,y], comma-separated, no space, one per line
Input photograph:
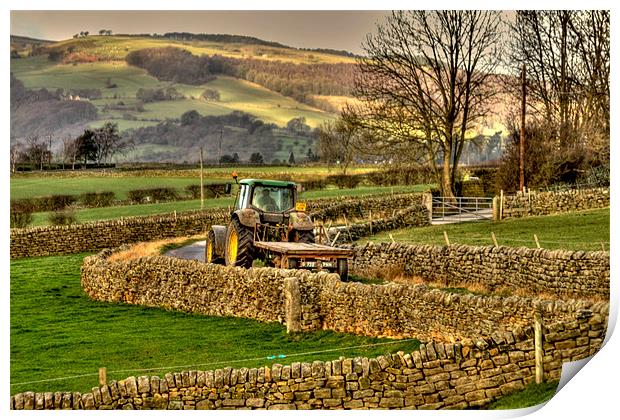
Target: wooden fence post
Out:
[494,239]
[103,376]
[501,204]
[536,240]
[445,236]
[292,304]
[538,347]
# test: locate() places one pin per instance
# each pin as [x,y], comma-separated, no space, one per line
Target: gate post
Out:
[292,304]
[427,200]
[496,209]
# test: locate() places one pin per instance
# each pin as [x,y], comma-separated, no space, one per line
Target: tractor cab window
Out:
[242,197]
[272,199]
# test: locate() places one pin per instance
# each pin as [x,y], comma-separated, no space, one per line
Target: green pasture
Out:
[58,332]
[579,231]
[35,184]
[33,187]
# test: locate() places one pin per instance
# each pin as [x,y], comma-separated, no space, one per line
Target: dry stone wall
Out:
[322,300]
[564,274]
[384,206]
[406,311]
[186,285]
[465,375]
[416,215]
[94,236]
[536,204]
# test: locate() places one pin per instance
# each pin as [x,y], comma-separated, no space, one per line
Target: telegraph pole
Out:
[220,157]
[202,186]
[522,137]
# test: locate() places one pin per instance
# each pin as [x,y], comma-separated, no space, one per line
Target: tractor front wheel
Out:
[211,256]
[239,248]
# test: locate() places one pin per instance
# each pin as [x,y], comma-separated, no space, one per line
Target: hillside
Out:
[93,70]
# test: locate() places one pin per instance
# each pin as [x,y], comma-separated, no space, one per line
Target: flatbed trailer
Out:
[307,256]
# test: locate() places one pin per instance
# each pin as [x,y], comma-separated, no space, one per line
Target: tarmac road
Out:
[195,251]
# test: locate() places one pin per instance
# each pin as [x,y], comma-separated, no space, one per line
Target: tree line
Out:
[95,145]
[222,137]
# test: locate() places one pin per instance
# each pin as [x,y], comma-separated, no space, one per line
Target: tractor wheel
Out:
[210,256]
[343,269]
[303,236]
[239,248]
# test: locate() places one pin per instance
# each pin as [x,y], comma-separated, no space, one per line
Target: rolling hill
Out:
[94,69]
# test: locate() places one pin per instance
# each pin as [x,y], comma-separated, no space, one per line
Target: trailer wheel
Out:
[211,256]
[239,249]
[343,269]
[303,236]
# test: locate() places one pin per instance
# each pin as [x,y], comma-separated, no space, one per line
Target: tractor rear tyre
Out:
[303,236]
[210,251]
[239,249]
[343,269]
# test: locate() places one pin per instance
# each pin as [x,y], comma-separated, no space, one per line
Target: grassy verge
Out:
[104,213]
[58,332]
[531,395]
[583,230]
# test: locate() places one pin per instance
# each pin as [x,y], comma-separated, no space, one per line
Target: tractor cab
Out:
[266,195]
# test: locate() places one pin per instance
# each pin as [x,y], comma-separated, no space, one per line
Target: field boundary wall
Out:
[437,376]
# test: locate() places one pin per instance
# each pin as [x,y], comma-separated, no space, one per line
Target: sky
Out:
[340,30]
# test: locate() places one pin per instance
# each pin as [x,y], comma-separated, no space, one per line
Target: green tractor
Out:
[270,224]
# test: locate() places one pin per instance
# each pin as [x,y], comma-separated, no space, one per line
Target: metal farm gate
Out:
[461,209]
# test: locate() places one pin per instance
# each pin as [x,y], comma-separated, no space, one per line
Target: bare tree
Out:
[567,59]
[427,78]
[70,151]
[16,150]
[35,152]
[108,142]
[338,143]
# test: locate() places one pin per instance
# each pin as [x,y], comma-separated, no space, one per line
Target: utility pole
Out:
[220,157]
[49,156]
[522,137]
[202,186]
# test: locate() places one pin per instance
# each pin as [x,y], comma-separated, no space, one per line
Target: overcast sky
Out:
[341,30]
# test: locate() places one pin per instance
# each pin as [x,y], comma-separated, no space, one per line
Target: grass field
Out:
[533,394]
[34,184]
[88,215]
[584,230]
[57,331]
